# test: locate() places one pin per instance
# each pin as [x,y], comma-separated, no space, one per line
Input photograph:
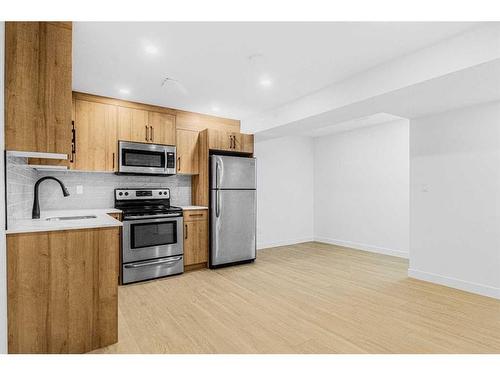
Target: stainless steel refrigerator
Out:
[232,210]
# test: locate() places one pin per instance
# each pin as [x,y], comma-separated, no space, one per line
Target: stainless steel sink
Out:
[57,218]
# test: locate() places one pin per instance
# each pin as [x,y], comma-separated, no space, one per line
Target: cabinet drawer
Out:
[195,215]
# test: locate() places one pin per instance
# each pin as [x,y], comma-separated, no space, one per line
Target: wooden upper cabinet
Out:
[187,151]
[242,142]
[137,125]
[162,128]
[133,125]
[219,140]
[38,86]
[96,136]
[230,141]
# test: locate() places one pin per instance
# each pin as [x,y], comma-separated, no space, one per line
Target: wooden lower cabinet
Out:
[62,290]
[195,238]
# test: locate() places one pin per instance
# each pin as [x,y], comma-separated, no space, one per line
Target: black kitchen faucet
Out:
[35,213]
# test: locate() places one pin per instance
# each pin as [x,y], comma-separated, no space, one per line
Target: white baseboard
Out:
[468,286]
[268,245]
[362,246]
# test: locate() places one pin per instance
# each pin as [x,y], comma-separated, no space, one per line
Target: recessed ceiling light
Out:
[215,108]
[265,82]
[151,49]
[124,91]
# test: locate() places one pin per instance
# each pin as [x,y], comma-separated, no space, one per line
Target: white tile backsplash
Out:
[97,189]
[20,181]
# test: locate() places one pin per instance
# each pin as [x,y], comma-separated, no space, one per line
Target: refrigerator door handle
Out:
[217,174]
[217,197]
[217,203]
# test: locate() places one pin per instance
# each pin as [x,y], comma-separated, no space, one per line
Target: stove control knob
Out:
[126,193]
[120,193]
[159,193]
[164,193]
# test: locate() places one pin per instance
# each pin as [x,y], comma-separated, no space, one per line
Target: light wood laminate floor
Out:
[305,298]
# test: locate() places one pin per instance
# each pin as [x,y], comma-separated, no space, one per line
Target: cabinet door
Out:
[133,125]
[96,136]
[162,128]
[195,242]
[62,290]
[187,151]
[219,140]
[38,86]
[243,142]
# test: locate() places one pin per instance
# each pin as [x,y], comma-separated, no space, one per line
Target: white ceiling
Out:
[218,66]
[470,86]
[362,122]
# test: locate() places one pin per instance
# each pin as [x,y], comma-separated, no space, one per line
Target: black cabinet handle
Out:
[73,142]
[146,132]
[186,234]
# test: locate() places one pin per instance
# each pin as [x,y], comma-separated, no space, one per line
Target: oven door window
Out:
[153,234]
[143,158]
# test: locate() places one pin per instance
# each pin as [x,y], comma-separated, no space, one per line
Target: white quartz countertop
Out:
[186,208]
[102,220]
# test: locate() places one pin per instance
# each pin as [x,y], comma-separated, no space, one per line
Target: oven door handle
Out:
[153,263]
[151,216]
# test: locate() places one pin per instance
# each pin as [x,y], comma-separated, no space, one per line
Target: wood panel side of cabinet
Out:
[199,191]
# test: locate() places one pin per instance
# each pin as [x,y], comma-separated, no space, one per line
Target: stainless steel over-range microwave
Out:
[146,158]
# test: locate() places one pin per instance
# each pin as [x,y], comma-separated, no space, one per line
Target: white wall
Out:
[361,188]
[3,272]
[284,191]
[455,199]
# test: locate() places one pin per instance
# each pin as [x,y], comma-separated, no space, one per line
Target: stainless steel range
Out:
[152,236]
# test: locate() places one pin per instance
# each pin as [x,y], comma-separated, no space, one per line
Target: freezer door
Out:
[232,172]
[233,226]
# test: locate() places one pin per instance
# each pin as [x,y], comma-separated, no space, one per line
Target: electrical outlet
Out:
[79,189]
